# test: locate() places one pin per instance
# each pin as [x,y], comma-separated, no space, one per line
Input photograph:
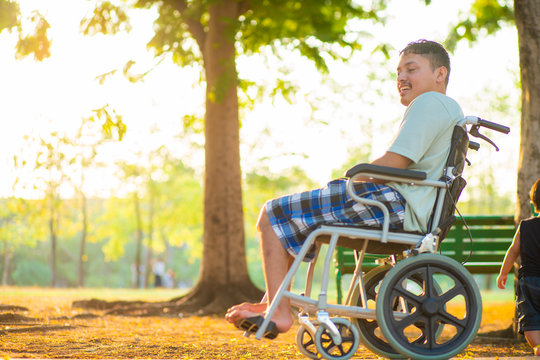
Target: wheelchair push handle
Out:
[493,126]
[475,120]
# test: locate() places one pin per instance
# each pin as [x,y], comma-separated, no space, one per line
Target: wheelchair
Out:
[416,303]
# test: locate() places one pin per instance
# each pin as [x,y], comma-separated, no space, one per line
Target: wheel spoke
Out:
[326,340]
[428,336]
[345,339]
[452,320]
[309,343]
[370,325]
[430,282]
[429,332]
[409,320]
[458,289]
[371,294]
[408,296]
[421,340]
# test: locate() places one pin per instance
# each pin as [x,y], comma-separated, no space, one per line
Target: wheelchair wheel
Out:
[456,307]
[369,331]
[370,334]
[306,344]
[326,346]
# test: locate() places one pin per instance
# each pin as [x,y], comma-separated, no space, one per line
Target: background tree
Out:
[102,126]
[32,40]
[527,13]
[213,34]
[133,175]
[485,18]
[12,213]
[50,166]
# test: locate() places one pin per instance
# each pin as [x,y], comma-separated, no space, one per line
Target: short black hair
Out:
[535,195]
[432,50]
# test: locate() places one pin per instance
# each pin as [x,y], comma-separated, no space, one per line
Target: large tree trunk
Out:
[224,279]
[527,13]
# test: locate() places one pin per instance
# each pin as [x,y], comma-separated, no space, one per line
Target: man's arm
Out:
[389,159]
[394,160]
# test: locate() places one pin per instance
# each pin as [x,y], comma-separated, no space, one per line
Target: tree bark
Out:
[150,240]
[6,257]
[224,279]
[527,13]
[52,233]
[139,239]
[84,232]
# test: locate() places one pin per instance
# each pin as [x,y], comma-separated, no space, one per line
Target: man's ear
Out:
[441,73]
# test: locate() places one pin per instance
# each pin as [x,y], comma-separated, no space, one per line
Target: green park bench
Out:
[491,237]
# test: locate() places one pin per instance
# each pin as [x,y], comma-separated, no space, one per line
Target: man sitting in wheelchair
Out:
[422,144]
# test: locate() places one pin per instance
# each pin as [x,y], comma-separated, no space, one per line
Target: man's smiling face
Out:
[415,76]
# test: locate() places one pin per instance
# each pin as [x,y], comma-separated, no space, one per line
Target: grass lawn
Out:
[51,327]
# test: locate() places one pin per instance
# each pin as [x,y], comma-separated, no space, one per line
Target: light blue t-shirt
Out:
[424,137]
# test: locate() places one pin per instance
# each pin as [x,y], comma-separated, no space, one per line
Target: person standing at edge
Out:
[526,244]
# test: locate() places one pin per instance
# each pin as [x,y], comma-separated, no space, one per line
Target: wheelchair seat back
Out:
[453,171]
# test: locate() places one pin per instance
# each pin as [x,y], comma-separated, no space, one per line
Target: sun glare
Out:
[54,95]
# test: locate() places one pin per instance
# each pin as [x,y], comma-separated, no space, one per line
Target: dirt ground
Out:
[37,326]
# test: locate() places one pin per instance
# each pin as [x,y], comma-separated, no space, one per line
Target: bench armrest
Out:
[374,170]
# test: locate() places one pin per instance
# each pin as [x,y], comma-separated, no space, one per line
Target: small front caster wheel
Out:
[337,349]
[306,344]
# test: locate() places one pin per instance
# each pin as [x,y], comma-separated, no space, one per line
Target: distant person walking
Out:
[159,272]
[527,244]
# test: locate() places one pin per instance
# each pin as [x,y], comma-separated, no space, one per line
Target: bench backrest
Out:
[491,237]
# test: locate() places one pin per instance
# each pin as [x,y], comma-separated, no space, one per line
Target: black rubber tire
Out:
[306,344]
[430,309]
[326,346]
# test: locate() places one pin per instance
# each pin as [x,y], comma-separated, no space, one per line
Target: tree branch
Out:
[243,6]
[192,17]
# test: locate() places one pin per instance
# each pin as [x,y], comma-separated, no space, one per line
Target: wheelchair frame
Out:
[328,333]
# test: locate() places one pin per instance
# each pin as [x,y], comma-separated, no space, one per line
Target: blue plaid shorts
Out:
[294,217]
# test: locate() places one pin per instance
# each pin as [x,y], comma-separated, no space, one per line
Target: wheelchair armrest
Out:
[387,171]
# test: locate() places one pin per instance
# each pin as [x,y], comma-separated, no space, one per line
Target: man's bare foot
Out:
[235,317]
[253,307]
